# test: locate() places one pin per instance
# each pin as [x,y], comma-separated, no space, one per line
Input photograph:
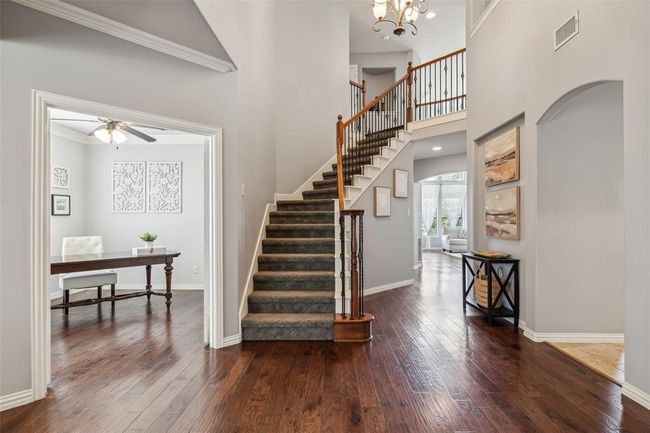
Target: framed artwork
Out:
[128,186]
[60,177]
[164,187]
[502,213]
[400,183]
[502,158]
[382,201]
[60,205]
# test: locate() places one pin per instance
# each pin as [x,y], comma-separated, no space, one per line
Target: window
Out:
[444,205]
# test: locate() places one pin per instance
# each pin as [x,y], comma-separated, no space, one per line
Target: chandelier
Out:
[399,13]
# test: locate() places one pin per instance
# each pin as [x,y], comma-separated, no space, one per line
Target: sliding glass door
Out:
[444,206]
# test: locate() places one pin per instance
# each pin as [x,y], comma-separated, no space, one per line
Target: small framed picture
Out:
[400,183]
[382,201]
[60,205]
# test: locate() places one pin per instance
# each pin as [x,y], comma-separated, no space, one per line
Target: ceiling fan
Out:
[112,131]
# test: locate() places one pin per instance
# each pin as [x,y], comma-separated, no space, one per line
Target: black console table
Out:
[488,266]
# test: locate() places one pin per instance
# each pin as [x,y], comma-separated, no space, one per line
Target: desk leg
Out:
[148,287]
[463,264]
[168,281]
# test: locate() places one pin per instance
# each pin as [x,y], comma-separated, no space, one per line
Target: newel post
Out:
[409,98]
[339,161]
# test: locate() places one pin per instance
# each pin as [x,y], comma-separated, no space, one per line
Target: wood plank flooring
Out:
[607,359]
[428,369]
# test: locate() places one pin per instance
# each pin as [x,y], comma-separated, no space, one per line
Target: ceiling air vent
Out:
[566,31]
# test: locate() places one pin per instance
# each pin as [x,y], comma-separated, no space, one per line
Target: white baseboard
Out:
[16,399]
[130,288]
[634,393]
[567,337]
[385,287]
[231,340]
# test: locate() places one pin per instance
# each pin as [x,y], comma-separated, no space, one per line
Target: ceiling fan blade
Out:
[78,120]
[137,133]
[96,129]
[146,126]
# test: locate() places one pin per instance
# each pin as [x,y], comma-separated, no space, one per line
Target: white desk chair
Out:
[85,280]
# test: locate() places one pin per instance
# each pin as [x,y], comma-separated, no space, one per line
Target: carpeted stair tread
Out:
[320,193]
[301,217]
[306,205]
[326,183]
[294,280]
[288,320]
[298,245]
[293,275]
[295,262]
[323,297]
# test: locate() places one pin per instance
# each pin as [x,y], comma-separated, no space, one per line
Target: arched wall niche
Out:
[580,232]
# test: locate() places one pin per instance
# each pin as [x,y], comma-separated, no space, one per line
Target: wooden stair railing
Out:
[431,89]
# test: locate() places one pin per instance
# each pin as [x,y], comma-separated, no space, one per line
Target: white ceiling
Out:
[451,144]
[436,37]
[80,130]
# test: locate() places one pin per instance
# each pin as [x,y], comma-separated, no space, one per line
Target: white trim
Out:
[232,340]
[40,228]
[385,287]
[484,16]
[634,393]
[111,27]
[16,399]
[555,337]
[417,266]
[243,305]
[456,116]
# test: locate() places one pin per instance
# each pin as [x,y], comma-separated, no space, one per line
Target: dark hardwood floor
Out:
[428,369]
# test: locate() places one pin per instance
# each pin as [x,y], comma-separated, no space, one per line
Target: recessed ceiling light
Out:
[385,37]
[430,15]
[437,148]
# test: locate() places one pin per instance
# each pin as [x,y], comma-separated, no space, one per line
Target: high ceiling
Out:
[437,36]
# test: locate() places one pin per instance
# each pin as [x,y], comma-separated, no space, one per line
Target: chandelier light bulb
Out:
[400,13]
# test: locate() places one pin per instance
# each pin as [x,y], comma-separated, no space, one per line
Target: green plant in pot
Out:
[148,239]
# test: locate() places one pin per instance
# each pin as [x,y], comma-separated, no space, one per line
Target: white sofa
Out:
[454,240]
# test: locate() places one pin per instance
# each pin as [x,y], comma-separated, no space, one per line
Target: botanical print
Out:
[128,186]
[164,187]
[502,213]
[502,158]
[60,177]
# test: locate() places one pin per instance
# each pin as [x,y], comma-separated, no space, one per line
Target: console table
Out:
[94,262]
[488,266]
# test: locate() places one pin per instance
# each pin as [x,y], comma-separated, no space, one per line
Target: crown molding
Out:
[483,17]
[114,28]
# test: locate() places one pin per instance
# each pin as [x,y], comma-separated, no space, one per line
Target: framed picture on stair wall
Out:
[382,201]
[501,162]
[400,183]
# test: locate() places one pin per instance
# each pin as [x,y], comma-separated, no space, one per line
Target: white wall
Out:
[394,233]
[535,77]
[429,167]
[50,54]
[182,232]
[398,60]
[580,213]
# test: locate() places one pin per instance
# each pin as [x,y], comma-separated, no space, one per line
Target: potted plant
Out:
[148,239]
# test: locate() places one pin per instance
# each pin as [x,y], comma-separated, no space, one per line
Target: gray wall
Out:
[535,77]
[392,234]
[377,83]
[580,212]
[429,167]
[49,54]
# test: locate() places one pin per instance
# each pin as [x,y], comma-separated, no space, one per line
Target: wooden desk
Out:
[94,262]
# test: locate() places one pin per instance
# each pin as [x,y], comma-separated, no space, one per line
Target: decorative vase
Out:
[149,244]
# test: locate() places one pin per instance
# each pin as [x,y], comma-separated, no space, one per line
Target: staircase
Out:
[293,290]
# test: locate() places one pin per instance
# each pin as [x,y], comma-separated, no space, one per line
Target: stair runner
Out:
[293,290]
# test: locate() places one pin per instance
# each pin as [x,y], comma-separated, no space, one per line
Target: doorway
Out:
[41,213]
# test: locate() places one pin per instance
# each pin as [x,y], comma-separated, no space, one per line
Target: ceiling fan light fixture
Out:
[103,135]
[118,136]
[110,135]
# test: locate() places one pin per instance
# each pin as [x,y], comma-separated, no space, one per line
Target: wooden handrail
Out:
[355,84]
[430,62]
[439,101]
[374,101]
